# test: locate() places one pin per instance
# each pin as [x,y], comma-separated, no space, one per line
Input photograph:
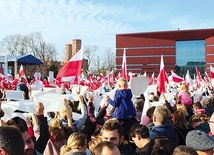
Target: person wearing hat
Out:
[200,141]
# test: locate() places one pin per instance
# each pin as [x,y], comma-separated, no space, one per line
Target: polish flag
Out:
[22,74]
[206,77]
[162,77]
[211,72]
[72,68]
[110,78]
[152,79]
[145,75]
[199,78]
[124,67]
[176,78]
[188,79]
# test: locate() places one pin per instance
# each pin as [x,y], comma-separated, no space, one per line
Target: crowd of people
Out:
[184,128]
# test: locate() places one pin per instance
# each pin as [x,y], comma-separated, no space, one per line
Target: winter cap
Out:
[199,140]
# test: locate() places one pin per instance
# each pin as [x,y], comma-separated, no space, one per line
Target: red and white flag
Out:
[176,78]
[199,77]
[124,66]
[152,79]
[145,75]
[162,77]
[110,78]
[206,77]
[22,74]
[211,72]
[72,68]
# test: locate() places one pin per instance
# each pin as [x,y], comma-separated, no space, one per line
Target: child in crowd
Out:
[122,103]
[198,108]
[123,108]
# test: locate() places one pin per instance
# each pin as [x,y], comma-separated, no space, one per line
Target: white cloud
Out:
[95,22]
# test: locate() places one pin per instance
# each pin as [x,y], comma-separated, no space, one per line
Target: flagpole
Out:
[6,67]
[15,67]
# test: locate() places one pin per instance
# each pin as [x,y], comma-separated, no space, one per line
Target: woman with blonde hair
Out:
[57,137]
[184,97]
[77,143]
[200,122]
[182,108]
[66,118]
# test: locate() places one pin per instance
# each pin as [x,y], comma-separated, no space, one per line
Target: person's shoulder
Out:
[126,149]
[37,153]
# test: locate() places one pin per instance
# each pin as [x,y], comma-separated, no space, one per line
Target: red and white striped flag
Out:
[211,72]
[176,78]
[199,77]
[73,68]
[124,66]
[152,79]
[206,77]
[22,74]
[162,77]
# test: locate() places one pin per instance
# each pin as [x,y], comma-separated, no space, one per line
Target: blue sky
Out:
[96,22]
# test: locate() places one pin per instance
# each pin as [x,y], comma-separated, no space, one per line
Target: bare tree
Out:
[33,43]
[98,65]
[89,54]
[109,59]
[11,45]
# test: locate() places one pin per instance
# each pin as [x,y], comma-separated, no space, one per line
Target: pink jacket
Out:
[185,98]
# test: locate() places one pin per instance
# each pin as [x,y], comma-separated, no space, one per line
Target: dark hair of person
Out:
[150,111]
[139,104]
[11,140]
[162,146]
[21,128]
[138,129]
[113,124]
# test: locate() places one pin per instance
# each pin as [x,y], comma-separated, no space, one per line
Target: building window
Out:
[190,54]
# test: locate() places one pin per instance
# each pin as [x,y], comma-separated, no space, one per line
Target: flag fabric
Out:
[22,74]
[152,79]
[110,78]
[211,72]
[72,68]
[145,75]
[198,78]
[124,66]
[176,78]
[206,77]
[162,77]
[144,118]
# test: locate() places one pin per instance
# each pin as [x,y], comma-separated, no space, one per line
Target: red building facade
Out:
[143,50]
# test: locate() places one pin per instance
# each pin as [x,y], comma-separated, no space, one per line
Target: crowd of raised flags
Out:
[72,74]
[102,84]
